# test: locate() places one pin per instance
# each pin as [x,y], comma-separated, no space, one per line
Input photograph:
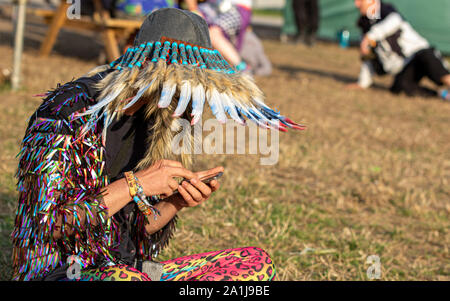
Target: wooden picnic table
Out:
[100,21]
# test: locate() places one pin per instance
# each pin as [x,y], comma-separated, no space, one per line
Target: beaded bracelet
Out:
[139,197]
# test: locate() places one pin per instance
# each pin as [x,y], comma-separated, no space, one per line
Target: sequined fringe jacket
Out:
[60,176]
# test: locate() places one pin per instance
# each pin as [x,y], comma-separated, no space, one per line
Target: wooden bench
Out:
[100,21]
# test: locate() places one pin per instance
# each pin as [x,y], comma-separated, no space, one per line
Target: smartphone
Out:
[213,177]
[206,180]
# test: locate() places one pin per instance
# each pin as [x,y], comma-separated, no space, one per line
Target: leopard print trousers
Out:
[238,264]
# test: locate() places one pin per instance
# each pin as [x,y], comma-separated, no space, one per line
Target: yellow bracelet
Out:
[138,196]
[132,184]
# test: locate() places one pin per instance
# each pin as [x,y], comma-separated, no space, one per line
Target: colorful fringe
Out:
[61,176]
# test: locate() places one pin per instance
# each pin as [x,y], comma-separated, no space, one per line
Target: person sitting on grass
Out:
[98,180]
[391,46]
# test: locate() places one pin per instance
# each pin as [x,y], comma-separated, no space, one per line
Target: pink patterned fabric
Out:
[249,264]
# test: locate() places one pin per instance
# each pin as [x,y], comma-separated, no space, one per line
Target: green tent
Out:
[431,18]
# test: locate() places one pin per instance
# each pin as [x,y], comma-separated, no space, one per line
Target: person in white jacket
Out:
[390,45]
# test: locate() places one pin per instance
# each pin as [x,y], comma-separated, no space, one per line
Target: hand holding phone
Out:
[191,193]
[206,176]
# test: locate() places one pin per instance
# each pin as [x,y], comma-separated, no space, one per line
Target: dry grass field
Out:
[369,176]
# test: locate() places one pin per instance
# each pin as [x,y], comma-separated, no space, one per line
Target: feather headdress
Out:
[177,78]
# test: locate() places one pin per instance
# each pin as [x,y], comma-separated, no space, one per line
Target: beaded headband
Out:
[173,52]
[171,69]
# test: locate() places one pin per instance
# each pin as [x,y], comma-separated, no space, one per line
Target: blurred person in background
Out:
[228,21]
[140,8]
[252,52]
[307,20]
[129,9]
[135,9]
[126,9]
[390,45]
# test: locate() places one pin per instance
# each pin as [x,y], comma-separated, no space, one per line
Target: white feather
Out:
[167,93]
[245,109]
[198,101]
[231,108]
[185,97]
[239,105]
[215,102]
[138,95]
[273,121]
[104,102]
[264,118]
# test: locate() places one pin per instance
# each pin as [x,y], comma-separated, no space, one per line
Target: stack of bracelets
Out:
[138,195]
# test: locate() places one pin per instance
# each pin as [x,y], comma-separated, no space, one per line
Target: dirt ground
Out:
[369,176]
